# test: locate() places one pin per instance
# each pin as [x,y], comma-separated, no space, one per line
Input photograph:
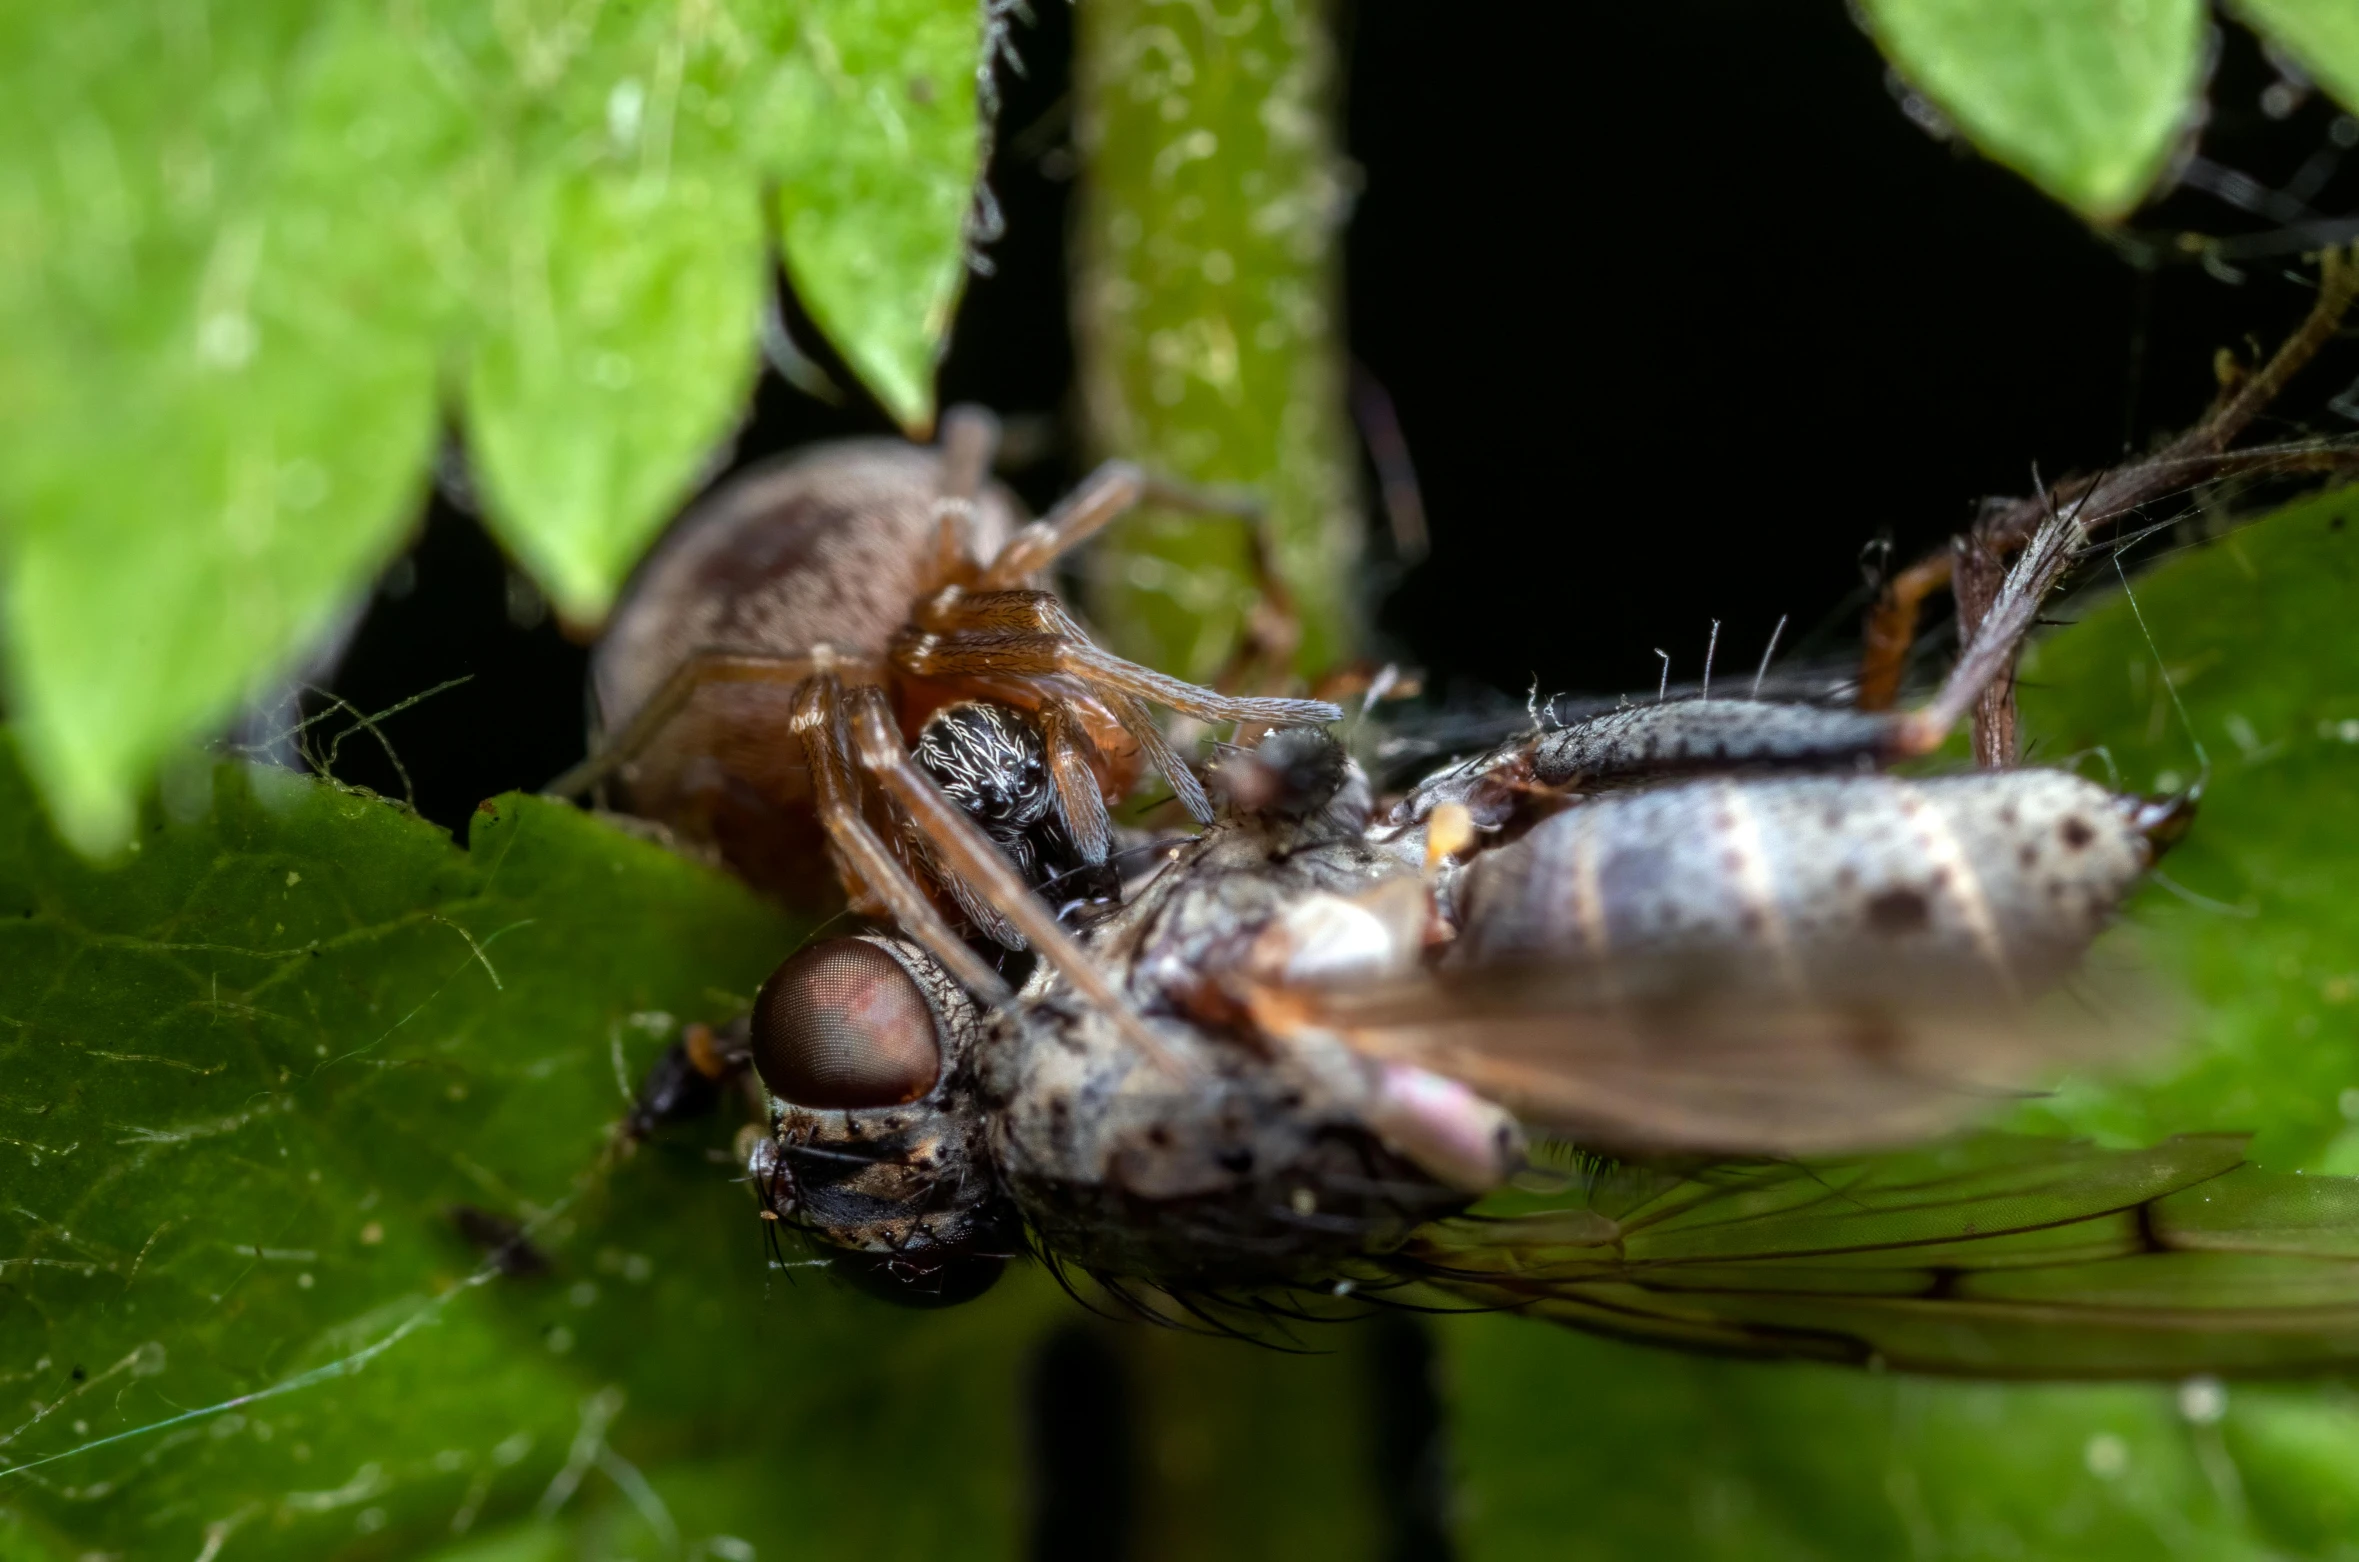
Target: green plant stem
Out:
[1208,315]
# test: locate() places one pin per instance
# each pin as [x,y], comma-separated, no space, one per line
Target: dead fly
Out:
[1548,1032]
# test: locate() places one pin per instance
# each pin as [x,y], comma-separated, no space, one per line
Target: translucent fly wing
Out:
[1668,1056]
[1994,1257]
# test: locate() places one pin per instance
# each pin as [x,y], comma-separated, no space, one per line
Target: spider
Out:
[793,632]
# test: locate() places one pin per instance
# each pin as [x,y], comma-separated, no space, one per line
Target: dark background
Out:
[1679,311]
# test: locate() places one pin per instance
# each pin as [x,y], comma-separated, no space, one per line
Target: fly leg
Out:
[691,1077]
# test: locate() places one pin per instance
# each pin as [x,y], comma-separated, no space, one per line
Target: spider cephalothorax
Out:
[989,759]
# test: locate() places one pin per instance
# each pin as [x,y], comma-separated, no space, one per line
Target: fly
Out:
[1640,1024]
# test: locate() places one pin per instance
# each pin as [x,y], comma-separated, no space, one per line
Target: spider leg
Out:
[1987,663]
[970,439]
[819,722]
[968,852]
[698,670]
[1103,671]
[1026,635]
[1272,630]
[1079,804]
[1135,719]
[1111,491]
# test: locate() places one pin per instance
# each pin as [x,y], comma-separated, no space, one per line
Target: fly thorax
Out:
[1249,1169]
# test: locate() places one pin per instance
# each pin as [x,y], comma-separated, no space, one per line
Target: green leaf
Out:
[2085,98]
[238,260]
[874,195]
[243,1078]
[2253,630]
[213,373]
[1579,1448]
[2322,35]
[1698,1458]
[598,397]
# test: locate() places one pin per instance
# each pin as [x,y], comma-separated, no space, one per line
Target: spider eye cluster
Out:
[989,760]
[842,1026]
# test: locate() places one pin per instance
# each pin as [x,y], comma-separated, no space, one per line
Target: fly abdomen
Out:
[1993,882]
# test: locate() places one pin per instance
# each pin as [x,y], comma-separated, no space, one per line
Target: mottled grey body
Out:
[1353,1025]
[1258,1164]
[1657,742]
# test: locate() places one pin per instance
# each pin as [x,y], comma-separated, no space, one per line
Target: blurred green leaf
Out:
[1581,1448]
[597,398]
[2085,98]
[2322,35]
[244,1077]
[215,376]
[1572,1447]
[2256,917]
[241,253]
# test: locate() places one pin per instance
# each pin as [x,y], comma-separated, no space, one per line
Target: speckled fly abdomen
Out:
[2000,878]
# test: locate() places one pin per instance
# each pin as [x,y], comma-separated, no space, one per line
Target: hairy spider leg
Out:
[1118,487]
[864,860]
[969,853]
[872,875]
[1080,806]
[1113,490]
[1015,636]
[970,441]
[1973,564]
[694,672]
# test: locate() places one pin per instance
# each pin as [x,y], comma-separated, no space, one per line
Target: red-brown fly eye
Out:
[842,1025]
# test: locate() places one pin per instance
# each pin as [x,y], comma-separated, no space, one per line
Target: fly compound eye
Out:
[842,1025]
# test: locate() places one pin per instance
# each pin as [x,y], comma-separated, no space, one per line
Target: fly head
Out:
[876,1145]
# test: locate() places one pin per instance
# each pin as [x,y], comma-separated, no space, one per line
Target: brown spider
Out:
[793,632]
